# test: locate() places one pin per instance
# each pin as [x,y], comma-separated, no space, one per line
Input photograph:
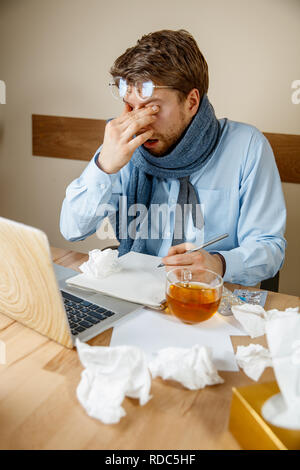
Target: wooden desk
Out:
[39,408]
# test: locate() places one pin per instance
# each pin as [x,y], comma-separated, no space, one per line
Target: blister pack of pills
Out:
[240,297]
[252,297]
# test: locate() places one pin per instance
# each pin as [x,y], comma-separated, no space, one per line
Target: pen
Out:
[210,242]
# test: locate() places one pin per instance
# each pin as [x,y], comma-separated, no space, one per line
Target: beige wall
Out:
[55,56]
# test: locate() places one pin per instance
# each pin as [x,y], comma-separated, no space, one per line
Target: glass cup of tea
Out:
[193,297]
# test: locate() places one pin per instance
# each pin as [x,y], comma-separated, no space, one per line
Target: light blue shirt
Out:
[240,194]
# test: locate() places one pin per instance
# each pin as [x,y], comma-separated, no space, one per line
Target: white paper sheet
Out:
[152,331]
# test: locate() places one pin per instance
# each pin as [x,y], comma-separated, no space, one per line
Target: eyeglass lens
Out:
[143,89]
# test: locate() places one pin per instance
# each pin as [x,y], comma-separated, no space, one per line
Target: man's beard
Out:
[169,143]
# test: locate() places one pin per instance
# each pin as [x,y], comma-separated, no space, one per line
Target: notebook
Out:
[139,281]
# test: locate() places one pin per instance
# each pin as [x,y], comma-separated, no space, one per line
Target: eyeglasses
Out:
[143,90]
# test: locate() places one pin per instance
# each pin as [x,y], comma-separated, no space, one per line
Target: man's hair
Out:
[168,58]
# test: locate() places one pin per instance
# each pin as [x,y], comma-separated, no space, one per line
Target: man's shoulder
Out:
[243,131]
[249,145]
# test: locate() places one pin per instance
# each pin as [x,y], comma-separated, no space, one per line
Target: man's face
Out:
[172,119]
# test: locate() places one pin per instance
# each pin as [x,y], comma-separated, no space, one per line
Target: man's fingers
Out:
[127,109]
[137,127]
[179,260]
[192,268]
[139,140]
[182,248]
[177,255]
[125,113]
[129,115]
[184,259]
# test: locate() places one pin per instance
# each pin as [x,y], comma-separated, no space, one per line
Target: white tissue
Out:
[193,367]
[110,374]
[253,318]
[101,263]
[274,313]
[283,336]
[253,359]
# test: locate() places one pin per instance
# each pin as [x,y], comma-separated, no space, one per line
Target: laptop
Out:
[33,290]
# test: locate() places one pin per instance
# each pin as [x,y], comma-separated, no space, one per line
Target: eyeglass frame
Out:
[111,84]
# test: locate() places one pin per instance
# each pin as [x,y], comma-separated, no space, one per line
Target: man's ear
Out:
[192,102]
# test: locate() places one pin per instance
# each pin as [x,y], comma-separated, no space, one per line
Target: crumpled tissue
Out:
[101,263]
[253,318]
[253,359]
[111,373]
[193,367]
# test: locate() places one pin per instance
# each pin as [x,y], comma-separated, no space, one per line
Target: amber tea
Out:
[194,301]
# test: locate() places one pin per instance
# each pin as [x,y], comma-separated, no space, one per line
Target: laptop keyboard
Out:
[83,314]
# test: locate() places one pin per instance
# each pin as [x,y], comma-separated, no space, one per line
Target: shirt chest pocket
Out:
[215,207]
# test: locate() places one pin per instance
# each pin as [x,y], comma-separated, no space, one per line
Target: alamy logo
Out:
[296,94]
[138,221]
[2,92]
[2,352]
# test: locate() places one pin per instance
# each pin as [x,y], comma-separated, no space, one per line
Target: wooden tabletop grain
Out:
[39,408]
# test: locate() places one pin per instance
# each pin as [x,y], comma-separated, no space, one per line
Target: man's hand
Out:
[118,144]
[177,256]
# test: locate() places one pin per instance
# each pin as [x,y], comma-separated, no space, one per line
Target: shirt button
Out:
[168,234]
[102,186]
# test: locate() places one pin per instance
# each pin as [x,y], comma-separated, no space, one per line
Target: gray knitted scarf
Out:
[191,153]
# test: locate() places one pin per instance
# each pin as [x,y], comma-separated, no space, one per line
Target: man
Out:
[167,149]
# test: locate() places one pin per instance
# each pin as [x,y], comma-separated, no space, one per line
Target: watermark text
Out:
[296,94]
[2,92]
[2,352]
[156,222]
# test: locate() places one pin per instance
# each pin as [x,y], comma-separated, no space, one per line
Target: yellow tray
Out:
[248,426]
